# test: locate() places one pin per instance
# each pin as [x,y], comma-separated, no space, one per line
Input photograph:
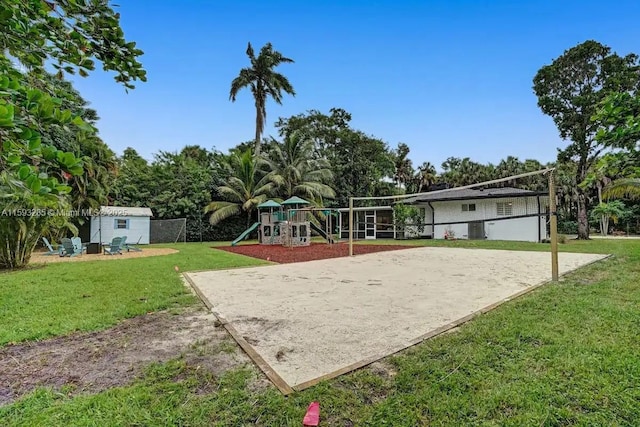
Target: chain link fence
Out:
[168,230]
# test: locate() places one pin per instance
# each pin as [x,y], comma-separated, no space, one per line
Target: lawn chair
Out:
[129,247]
[114,248]
[68,249]
[78,246]
[50,248]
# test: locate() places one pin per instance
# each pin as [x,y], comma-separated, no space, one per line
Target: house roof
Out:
[470,194]
[124,211]
[295,200]
[269,204]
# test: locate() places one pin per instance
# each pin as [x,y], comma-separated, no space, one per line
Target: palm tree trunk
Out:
[256,149]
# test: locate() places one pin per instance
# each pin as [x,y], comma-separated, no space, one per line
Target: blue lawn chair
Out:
[50,248]
[114,248]
[68,249]
[77,244]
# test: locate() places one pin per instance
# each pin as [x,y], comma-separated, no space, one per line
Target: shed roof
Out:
[269,204]
[470,194]
[124,211]
[295,200]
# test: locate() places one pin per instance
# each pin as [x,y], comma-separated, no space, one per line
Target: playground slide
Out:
[245,233]
[321,232]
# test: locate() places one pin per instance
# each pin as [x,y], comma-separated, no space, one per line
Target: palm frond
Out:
[221,211]
[621,188]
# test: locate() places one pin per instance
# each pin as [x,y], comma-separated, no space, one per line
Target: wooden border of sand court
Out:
[253,355]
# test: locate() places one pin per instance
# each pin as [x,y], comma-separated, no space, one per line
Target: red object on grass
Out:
[312,417]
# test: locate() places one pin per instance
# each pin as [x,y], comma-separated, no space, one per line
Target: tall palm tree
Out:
[249,183]
[264,82]
[403,166]
[426,176]
[296,171]
[623,187]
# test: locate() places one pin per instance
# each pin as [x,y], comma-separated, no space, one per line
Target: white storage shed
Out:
[120,221]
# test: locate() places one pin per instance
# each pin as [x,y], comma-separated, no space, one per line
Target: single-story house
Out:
[119,221]
[494,214]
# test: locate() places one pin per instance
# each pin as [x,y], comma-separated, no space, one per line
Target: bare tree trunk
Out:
[583,221]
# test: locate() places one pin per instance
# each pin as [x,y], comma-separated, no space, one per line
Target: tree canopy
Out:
[570,90]
[71,36]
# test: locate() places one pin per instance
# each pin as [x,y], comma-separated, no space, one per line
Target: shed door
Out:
[476,230]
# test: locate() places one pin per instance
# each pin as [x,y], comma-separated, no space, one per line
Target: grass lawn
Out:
[60,298]
[564,354]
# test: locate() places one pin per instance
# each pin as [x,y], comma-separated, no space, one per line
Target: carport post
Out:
[553,225]
[350,226]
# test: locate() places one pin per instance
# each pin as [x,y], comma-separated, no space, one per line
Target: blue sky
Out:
[448,78]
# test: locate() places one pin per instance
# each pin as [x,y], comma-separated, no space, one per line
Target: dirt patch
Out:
[38,258]
[92,362]
[284,255]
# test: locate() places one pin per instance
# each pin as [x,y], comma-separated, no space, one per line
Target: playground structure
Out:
[288,223]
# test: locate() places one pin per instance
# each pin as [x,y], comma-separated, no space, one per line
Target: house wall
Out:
[137,231]
[524,229]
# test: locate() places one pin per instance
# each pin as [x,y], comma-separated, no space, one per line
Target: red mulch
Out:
[282,255]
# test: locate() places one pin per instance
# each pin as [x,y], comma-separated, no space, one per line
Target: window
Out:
[505,209]
[469,207]
[121,224]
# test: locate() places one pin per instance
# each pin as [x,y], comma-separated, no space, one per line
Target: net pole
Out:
[350,226]
[554,227]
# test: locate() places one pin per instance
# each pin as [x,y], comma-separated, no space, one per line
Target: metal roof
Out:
[470,194]
[124,211]
[269,204]
[295,200]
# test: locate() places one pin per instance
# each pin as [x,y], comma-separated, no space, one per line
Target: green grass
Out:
[60,298]
[564,354]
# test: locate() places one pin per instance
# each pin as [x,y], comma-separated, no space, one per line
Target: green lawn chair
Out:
[128,246]
[114,248]
[50,248]
[68,249]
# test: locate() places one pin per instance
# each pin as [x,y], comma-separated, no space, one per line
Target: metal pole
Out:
[350,226]
[554,227]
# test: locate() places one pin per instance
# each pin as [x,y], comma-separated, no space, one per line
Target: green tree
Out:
[458,172]
[264,82]
[403,167]
[619,118]
[90,189]
[322,129]
[249,182]
[134,184]
[606,212]
[570,90]
[71,37]
[360,164]
[297,173]
[425,177]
